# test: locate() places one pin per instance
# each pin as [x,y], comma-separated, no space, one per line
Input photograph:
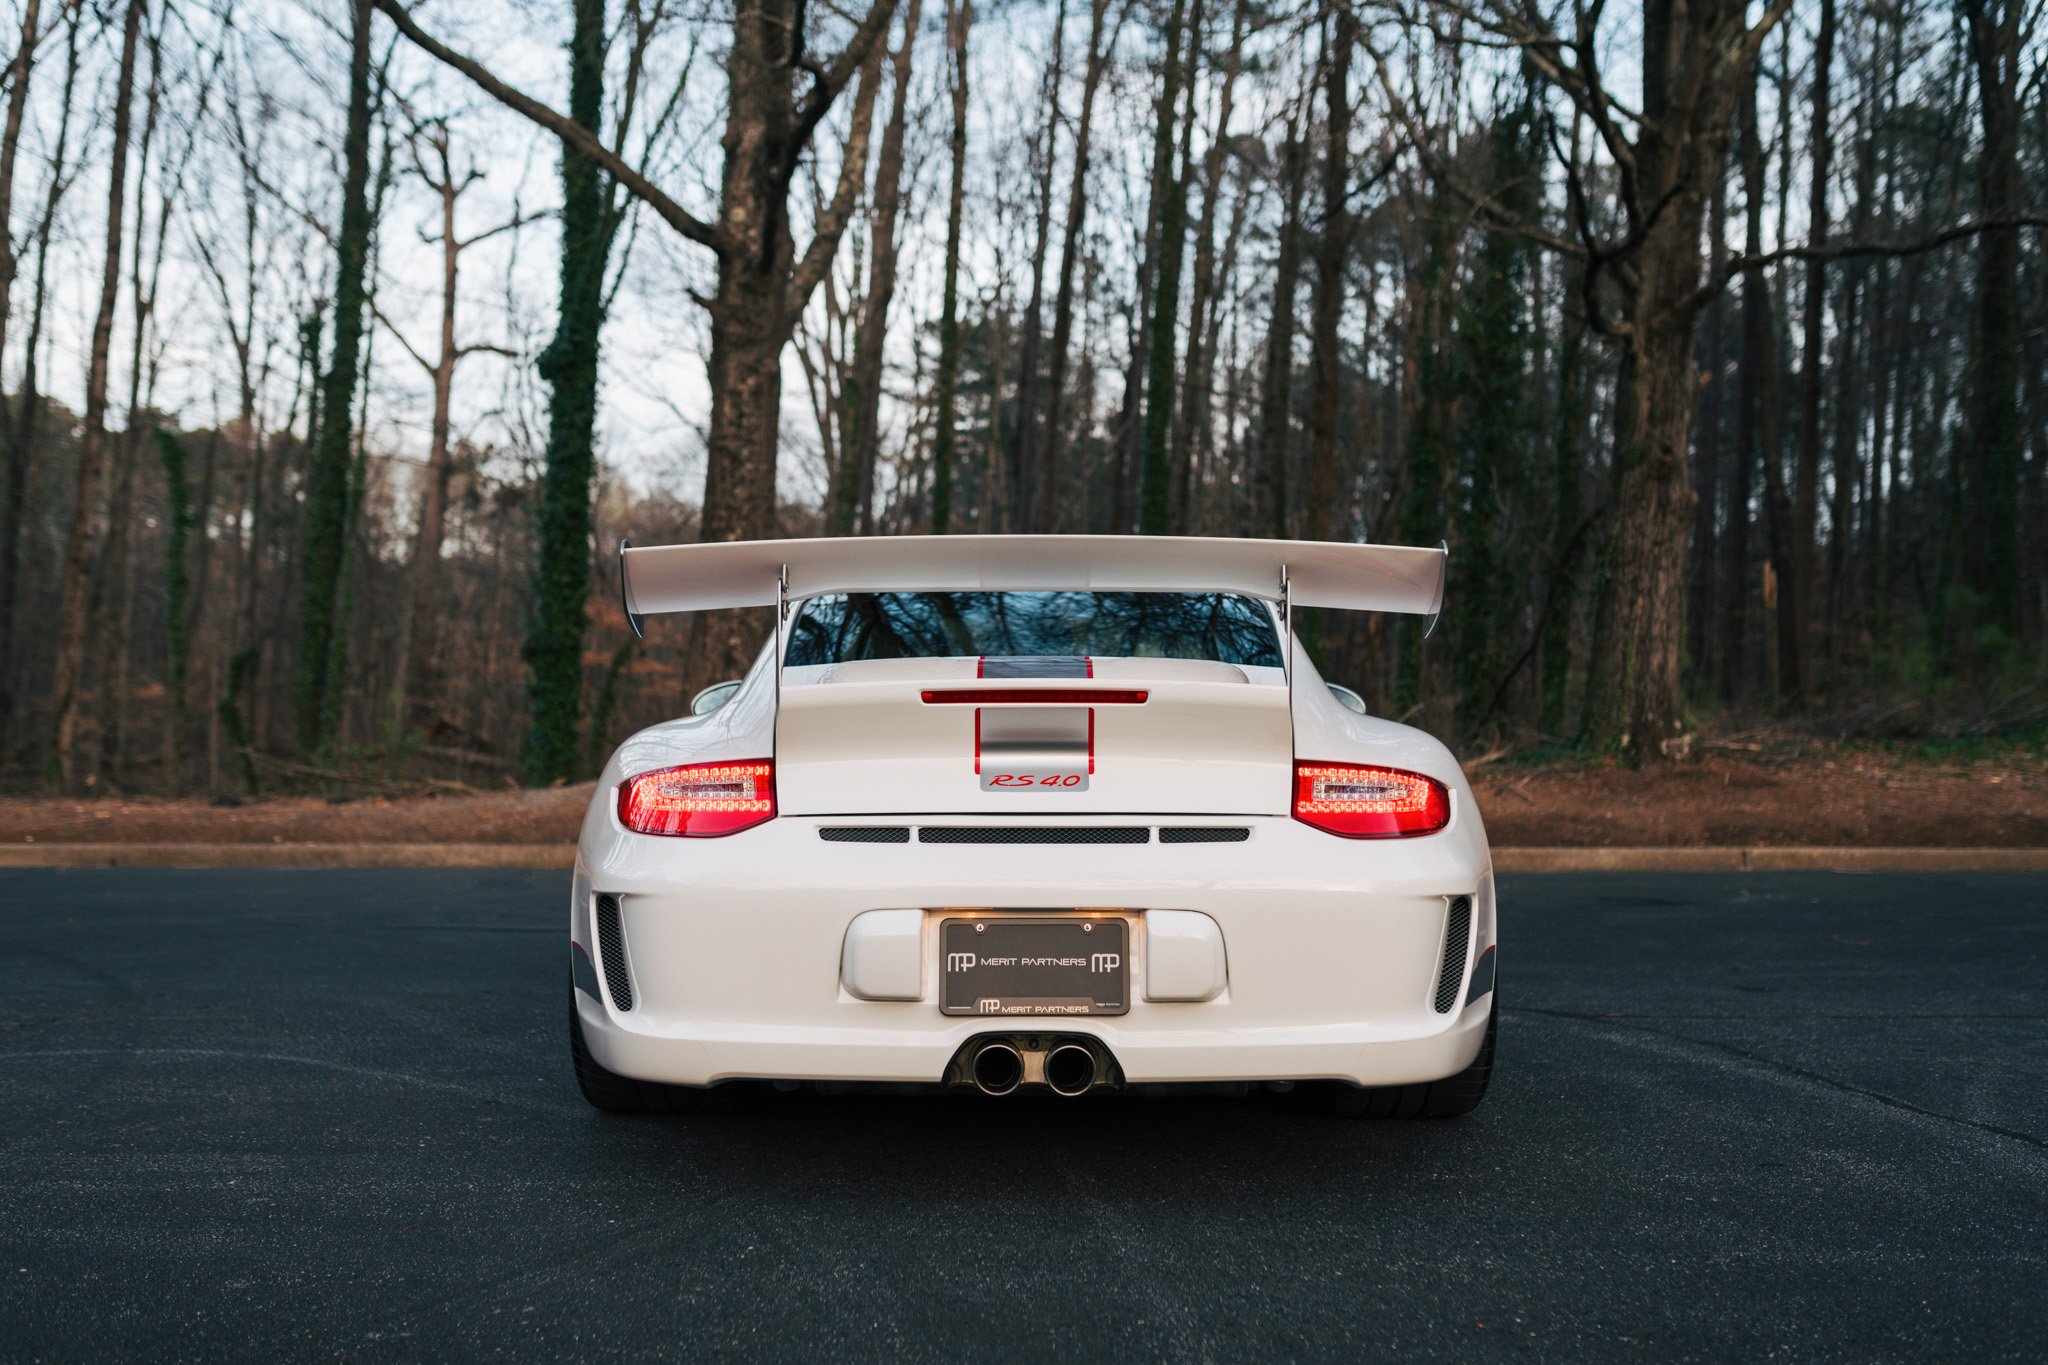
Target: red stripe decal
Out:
[1091,741]
[1088,661]
[1035,696]
[977,741]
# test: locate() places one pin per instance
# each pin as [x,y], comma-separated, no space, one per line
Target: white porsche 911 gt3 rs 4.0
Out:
[1067,814]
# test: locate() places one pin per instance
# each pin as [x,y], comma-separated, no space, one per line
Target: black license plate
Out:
[1040,968]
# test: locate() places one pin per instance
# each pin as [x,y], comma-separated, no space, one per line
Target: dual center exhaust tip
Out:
[1067,1068]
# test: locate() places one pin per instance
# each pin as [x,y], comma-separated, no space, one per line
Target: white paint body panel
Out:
[774,954]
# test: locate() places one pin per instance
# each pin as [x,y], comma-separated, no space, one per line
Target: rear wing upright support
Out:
[781,616]
[633,618]
[1287,630]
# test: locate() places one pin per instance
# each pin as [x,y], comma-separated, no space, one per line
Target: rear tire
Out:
[1450,1098]
[616,1094]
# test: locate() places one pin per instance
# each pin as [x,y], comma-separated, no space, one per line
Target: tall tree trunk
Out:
[959,18]
[1991,466]
[1170,192]
[424,570]
[854,489]
[1694,57]
[177,584]
[327,494]
[1756,422]
[18,73]
[1566,540]
[1192,414]
[1703,614]
[1797,592]
[1277,380]
[24,424]
[1045,503]
[1024,445]
[117,563]
[1326,370]
[561,574]
[60,768]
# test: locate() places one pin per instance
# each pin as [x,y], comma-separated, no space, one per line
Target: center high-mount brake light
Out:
[1369,803]
[699,800]
[1037,696]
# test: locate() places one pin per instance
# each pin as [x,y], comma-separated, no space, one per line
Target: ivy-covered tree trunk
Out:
[561,574]
[1170,192]
[177,585]
[1990,527]
[327,491]
[1497,426]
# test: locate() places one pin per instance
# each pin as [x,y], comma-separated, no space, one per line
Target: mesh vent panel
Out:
[865,834]
[611,946]
[1193,834]
[1457,941]
[1072,834]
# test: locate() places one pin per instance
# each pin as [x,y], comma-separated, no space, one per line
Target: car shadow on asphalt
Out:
[1163,1147]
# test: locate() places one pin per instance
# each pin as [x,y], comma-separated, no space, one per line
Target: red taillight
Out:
[1037,696]
[1369,803]
[701,800]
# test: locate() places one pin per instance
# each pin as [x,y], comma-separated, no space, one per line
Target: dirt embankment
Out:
[1842,798]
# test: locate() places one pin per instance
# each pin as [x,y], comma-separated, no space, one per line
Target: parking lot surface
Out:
[329,1114]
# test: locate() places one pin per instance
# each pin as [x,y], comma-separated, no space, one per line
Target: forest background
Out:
[342,342]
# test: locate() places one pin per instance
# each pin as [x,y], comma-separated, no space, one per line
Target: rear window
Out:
[848,627]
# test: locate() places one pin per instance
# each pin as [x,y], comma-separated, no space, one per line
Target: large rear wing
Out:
[772,573]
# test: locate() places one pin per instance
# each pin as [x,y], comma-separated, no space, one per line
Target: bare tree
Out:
[853,489]
[959,19]
[434,164]
[59,766]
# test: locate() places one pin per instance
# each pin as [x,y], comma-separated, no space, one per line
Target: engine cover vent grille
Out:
[1007,834]
[1457,941]
[611,946]
[865,834]
[1202,834]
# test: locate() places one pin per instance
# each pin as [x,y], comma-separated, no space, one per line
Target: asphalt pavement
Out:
[329,1114]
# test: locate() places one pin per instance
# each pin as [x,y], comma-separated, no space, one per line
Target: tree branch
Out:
[574,136]
[853,169]
[1835,251]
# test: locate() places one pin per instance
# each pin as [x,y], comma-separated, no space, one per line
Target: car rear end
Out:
[1029,870]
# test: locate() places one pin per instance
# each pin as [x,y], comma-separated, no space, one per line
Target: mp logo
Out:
[1104,962]
[959,962]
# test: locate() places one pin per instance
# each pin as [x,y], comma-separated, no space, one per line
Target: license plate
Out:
[1037,968]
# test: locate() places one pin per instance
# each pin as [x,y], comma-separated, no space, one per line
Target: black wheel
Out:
[616,1094]
[1449,1098]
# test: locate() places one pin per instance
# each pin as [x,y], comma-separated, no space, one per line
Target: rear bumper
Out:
[1334,951]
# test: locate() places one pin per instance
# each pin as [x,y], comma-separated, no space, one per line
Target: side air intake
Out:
[1457,942]
[865,834]
[1203,834]
[611,946]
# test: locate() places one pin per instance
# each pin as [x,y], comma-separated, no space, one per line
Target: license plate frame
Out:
[1034,966]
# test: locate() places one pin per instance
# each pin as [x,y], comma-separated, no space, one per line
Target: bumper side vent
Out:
[1011,834]
[865,834]
[611,946]
[1203,834]
[1457,942]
